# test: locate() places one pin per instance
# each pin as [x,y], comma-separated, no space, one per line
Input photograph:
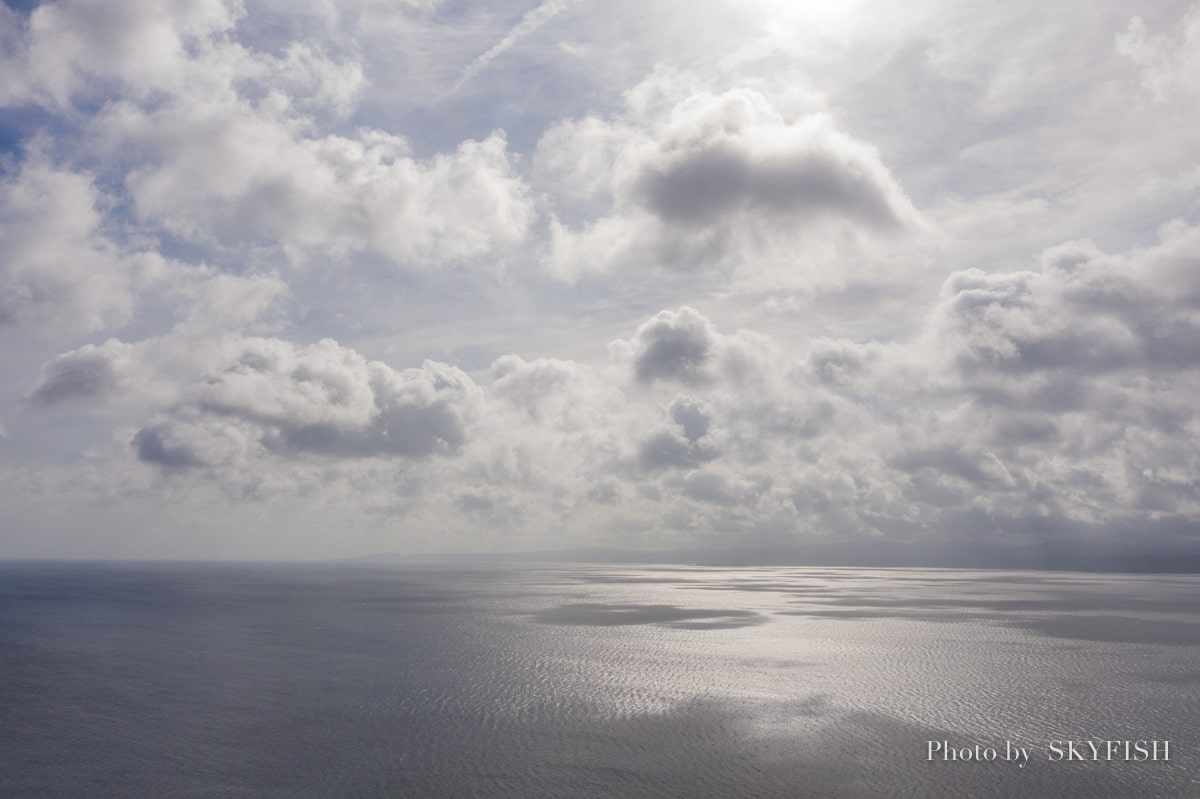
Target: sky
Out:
[317,279]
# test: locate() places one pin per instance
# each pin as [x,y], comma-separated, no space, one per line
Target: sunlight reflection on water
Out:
[585,680]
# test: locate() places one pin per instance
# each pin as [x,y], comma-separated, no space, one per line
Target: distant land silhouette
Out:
[881,554]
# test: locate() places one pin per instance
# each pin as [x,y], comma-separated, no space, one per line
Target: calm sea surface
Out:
[588,681]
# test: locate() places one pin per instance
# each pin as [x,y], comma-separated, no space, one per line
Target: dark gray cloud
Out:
[674,346]
[723,181]
[473,503]
[683,346]
[685,443]
[88,373]
[734,153]
[713,488]
[966,464]
[701,185]
[667,449]
[693,416]
[162,445]
[324,399]
[1083,313]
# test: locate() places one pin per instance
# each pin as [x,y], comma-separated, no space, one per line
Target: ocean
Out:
[577,681]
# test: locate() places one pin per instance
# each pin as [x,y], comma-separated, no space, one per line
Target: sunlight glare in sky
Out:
[819,19]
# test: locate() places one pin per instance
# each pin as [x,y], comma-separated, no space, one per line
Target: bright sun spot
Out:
[824,19]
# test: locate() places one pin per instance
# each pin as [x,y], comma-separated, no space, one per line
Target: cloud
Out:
[1058,393]
[963,425]
[552,435]
[669,449]
[1062,390]
[1082,312]
[809,240]
[56,262]
[683,346]
[65,52]
[693,416]
[220,142]
[87,374]
[324,400]
[1169,64]
[723,181]
[186,444]
[734,153]
[62,49]
[247,172]
[687,440]
[564,394]
[674,345]
[715,488]
[844,364]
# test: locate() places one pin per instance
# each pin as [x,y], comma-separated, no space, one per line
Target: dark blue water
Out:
[368,681]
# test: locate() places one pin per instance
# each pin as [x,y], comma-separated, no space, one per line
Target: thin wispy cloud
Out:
[529,24]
